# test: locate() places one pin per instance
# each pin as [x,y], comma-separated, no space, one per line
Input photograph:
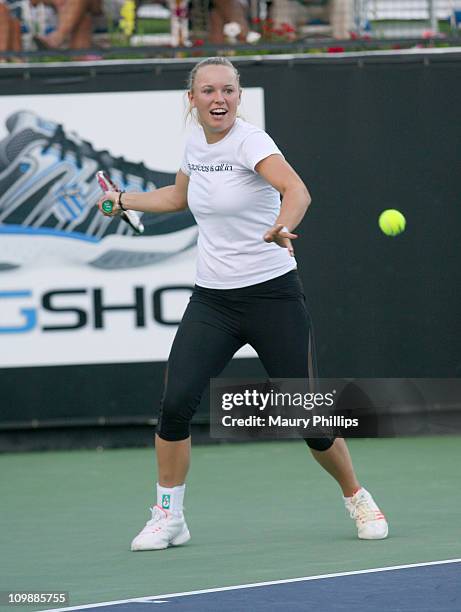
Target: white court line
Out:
[253,585]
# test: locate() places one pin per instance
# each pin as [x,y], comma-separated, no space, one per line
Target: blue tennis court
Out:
[426,587]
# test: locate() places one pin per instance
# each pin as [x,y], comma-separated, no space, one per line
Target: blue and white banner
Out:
[77,287]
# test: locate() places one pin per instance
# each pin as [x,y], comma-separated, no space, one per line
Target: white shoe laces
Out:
[364,510]
[158,517]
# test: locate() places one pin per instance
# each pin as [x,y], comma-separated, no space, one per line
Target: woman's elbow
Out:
[180,205]
[298,192]
[306,196]
[178,199]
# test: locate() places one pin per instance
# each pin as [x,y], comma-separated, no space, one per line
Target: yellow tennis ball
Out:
[392,222]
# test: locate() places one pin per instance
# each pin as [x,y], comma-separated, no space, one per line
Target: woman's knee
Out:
[176,411]
[319,444]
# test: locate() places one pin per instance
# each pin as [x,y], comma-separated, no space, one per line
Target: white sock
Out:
[171,498]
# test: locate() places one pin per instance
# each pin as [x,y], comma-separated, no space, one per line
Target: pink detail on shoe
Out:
[165,512]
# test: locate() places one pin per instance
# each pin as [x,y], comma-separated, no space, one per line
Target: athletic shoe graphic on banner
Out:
[48,193]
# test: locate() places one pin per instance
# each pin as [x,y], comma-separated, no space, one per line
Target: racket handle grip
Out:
[107,206]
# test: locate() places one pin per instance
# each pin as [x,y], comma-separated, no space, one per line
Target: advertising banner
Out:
[77,287]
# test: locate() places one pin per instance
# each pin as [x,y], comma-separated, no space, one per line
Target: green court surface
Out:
[257,512]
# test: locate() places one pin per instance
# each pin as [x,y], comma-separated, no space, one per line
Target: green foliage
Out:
[153,26]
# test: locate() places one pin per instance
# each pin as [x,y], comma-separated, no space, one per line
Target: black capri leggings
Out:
[272,317]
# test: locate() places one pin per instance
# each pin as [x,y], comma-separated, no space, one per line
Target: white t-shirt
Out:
[233,206]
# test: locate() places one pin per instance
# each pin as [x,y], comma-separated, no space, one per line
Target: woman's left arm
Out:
[295,199]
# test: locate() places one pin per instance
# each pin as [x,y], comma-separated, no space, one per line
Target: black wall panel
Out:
[365,134]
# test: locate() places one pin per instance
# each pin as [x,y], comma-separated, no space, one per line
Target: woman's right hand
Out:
[112,196]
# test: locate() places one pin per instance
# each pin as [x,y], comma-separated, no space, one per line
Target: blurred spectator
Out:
[224,12]
[300,12]
[10,29]
[179,10]
[75,23]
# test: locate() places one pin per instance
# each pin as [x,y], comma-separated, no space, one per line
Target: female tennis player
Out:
[247,289]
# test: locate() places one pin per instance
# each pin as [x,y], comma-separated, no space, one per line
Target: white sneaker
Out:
[163,529]
[371,522]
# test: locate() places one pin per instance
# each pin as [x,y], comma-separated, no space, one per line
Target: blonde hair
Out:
[209,61]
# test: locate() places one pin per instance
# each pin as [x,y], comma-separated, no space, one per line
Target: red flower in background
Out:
[283,32]
[288,28]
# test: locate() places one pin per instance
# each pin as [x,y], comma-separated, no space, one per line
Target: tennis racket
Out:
[129,216]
